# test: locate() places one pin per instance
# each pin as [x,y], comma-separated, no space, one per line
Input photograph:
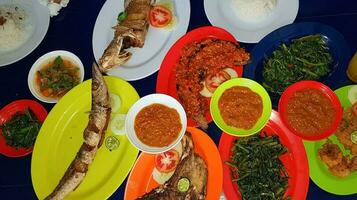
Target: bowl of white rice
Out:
[23,25]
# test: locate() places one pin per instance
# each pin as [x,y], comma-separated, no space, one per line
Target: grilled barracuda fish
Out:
[192,167]
[129,33]
[93,138]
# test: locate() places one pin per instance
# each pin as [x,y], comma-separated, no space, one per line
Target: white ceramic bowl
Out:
[148,100]
[47,57]
[39,18]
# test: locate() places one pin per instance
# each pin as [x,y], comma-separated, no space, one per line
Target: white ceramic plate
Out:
[147,60]
[49,57]
[39,18]
[146,101]
[223,14]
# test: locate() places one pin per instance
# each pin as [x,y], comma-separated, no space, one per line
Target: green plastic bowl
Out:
[255,87]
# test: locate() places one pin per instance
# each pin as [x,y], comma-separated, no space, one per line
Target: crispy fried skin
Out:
[93,137]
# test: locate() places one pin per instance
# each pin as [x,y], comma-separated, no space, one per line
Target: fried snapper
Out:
[130,32]
[199,60]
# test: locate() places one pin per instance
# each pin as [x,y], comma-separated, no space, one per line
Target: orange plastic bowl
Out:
[301,85]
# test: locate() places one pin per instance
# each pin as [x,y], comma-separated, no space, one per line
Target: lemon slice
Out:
[112,143]
[115,102]
[352,94]
[117,124]
[354,137]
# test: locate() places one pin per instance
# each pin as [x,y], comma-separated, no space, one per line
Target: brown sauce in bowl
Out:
[56,77]
[157,125]
[310,112]
[240,107]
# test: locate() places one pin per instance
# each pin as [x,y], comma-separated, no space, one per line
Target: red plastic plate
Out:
[7,112]
[295,161]
[166,82]
[288,93]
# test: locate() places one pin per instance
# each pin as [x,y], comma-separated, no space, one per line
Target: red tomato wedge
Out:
[213,81]
[167,161]
[160,16]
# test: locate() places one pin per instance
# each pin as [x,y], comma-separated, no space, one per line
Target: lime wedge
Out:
[112,143]
[183,184]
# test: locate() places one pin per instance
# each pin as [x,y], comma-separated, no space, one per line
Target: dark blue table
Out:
[72,31]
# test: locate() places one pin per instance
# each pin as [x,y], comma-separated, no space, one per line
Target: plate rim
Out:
[132,151]
[19,105]
[167,68]
[133,74]
[258,89]
[302,174]
[298,30]
[331,187]
[191,130]
[40,38]
[212,18]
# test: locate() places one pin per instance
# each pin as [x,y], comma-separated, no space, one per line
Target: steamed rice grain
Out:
[15,29]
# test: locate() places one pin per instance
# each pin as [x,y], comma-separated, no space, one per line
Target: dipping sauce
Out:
[240,107]
[310,112]
[157,125]
[56,77]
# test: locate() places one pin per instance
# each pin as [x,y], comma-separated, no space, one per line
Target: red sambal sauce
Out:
[310,112]
[240,107]
[157,125]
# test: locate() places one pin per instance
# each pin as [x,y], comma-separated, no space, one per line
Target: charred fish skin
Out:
[131,32]
[191,166]
[93,136]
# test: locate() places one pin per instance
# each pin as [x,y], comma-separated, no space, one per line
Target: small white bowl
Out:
[47,57]
[148,100]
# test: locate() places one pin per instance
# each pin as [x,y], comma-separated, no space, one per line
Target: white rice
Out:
[54,6]
[254,10]
[17,28]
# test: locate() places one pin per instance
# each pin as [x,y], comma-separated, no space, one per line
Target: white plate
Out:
[40,19]
[222,14]
[147,60]
[45,58]
[146,101]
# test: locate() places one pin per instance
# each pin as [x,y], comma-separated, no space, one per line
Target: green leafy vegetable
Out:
[21,130]
[122,16]
[257,169]
[306,58]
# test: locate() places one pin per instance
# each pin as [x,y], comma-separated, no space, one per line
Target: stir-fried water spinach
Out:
[21,130]
[306,58]
[257,169]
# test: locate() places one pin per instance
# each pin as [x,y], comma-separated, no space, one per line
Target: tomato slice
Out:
[167,161]
[213,81]
[160,16]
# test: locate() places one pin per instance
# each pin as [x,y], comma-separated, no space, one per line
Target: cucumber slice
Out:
[183,184]
[117,124]
[352,94]
[354,137]
[161,177]
[115,102]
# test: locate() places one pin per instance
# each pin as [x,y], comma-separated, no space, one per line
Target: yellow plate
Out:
[61,136]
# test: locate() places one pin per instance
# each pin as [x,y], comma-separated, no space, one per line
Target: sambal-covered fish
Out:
[198,61]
